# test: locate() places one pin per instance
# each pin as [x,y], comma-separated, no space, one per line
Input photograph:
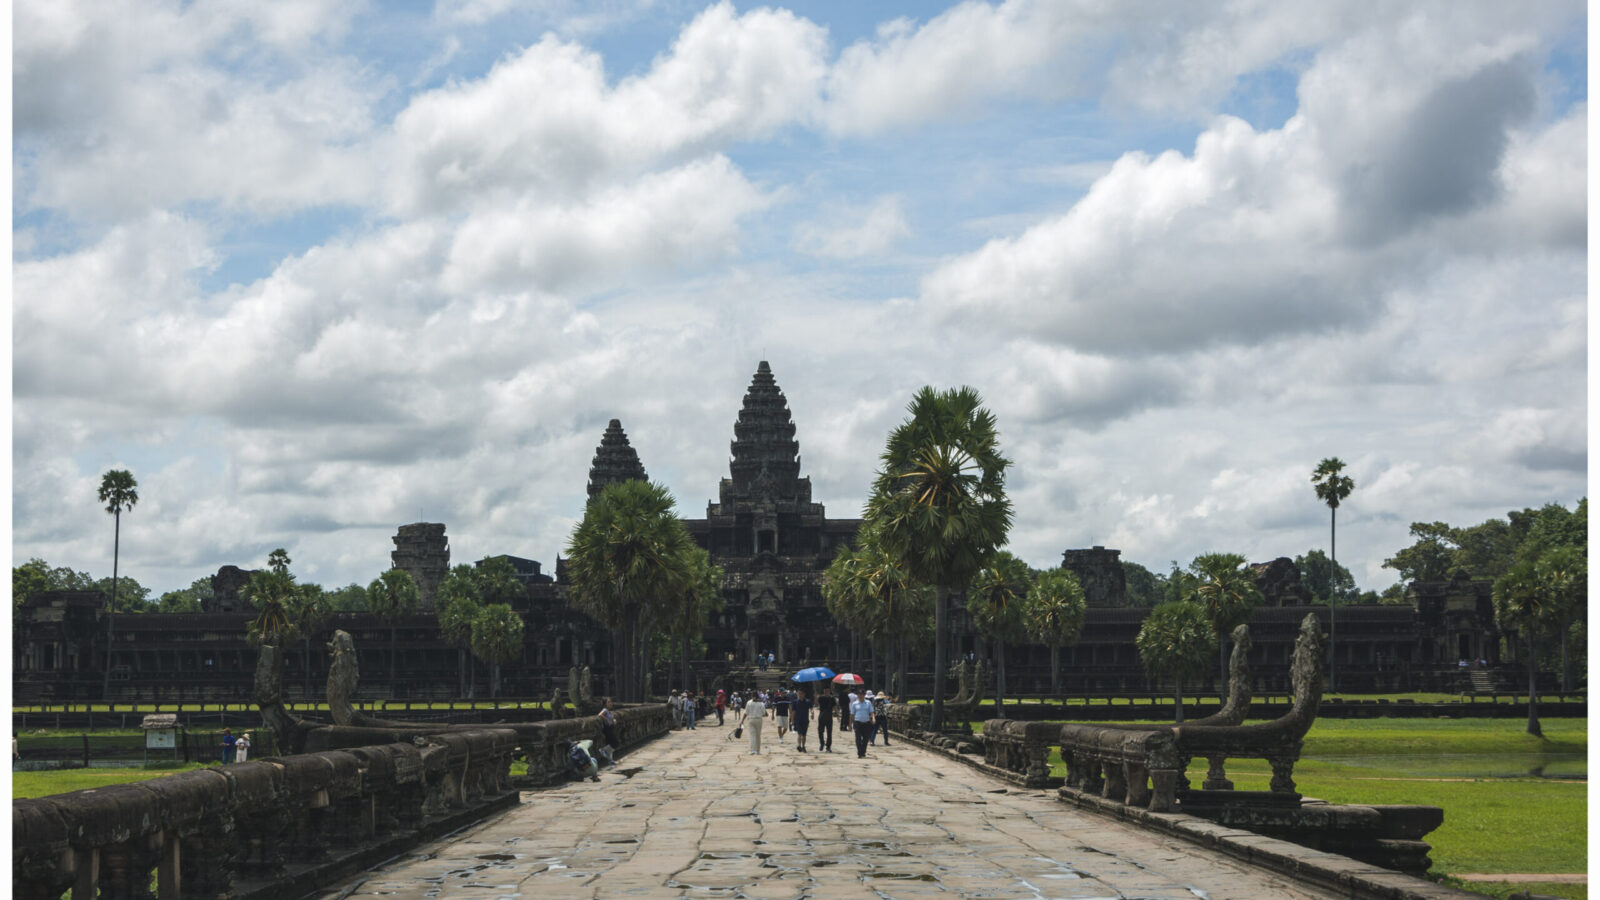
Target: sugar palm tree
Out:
[310,611]
[1175,642]
[939,503]
[455,605]
[1056,606]
[1534,596]
[623,560]
[392,596]
[997,602]
[497,639]
[118,491]
[1225,588]
[1332,488]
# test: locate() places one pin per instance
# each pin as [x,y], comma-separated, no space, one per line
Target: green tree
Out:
[191,599]
[623,559]
[497,639]
[1325,580]
[997,602]
[1431,557]
[118,491]
[457,603]
[1143,585]
[273,593]
[693,601]
[310,611]
[1534,597]
[1332,488]
[497,580]
[1225,588]
[939,504]
[392,596]
[350,598]
[1056,609]
[36,576]
[127,595]
[1176,641]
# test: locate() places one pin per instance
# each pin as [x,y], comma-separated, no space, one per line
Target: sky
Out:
[315,269]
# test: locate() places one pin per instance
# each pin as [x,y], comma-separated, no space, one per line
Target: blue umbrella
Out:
[815,673]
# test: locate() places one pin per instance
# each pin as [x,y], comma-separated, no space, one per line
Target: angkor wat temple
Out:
[773,542]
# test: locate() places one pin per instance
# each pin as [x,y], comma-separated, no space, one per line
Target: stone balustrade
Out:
[277,826]
[1021,748]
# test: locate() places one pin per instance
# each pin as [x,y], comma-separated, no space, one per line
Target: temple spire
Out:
[614,461]
[764,448]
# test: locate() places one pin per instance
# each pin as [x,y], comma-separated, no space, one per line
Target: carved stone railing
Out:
[542,742]
[1021,748]
[271,827]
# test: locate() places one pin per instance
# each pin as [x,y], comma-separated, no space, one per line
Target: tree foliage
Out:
[1325,580]
[497,638]
[1144,587]
[1056,609]
[939,503]
[1176,642]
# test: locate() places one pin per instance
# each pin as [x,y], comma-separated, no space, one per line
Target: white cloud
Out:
[851,232]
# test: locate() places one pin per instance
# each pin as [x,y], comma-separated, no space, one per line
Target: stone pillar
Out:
[423,551]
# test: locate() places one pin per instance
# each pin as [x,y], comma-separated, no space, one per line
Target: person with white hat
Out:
[861,718]
[241,748]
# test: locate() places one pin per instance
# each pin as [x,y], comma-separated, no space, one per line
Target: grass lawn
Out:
[60,781]
[1499,815]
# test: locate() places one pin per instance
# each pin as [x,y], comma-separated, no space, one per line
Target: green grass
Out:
[1506,891]
[60,781]
[1498,817]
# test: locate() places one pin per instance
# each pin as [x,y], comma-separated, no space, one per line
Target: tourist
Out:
[690,705]
[608,728]
[580,762]
[861,719]
[754,712]
[800,717]
[844,711]
[825,706]
[676,707]
[228,743]
[241,748]
[880,710]
[872,736]
[722,705]
[781,705]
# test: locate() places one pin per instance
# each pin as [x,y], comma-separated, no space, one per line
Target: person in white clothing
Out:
[241,748]
[755,713]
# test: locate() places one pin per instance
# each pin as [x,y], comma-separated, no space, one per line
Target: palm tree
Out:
[1331,488]
[1175,642]
[623,559]
[392,596]
[1535,595]
[997,602]
[1225,588]
[456,604]
[902,609]
[939,503]
[118,491]
[696,599]
[309,610]
[497,639]
[1056,606]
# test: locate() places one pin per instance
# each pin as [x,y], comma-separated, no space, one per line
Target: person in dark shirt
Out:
[782,708]
[800,718]
[825,707]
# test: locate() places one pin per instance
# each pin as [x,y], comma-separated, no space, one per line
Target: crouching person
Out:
[580,760]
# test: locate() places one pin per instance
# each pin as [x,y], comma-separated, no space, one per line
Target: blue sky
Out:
[316,269]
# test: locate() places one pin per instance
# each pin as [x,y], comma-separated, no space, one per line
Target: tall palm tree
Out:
[939,503]
[901,608]
[997,601]
[497,639]
[1056,606]
[623,559]
[118,491]
[1534,596]
[310,610]
[456,604]
[1225,588]
[1332,488]
[694,601]
[392,596]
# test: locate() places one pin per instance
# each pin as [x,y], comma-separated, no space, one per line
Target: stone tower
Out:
[1100,572]
[422,550]
[614,461]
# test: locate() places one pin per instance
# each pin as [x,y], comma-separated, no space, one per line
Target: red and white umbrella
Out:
[848,678]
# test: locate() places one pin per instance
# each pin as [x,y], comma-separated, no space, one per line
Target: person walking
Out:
[872,736]
[755,713]
[690,707]
[880,710]
[722,705]
[825,706]
[675,704]
[608,728]
[781,706]
[228,743]
[800,718]
[861,718]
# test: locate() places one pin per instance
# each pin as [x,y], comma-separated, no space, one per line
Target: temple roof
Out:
[764,448]
[614,461]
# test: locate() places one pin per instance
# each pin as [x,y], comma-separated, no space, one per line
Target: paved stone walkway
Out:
[694,815]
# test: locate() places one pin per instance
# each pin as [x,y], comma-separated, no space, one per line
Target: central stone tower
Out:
[772,542]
